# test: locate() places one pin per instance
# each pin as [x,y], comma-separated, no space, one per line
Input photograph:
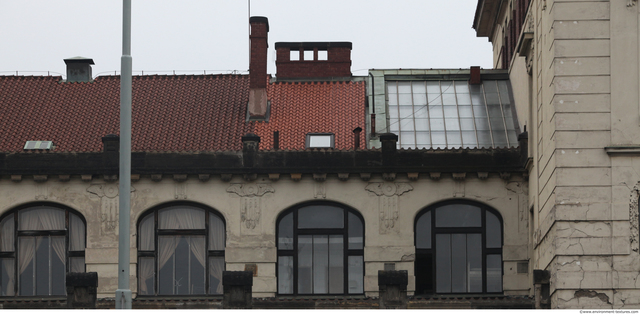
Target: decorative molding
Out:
[135,177]
[110,178]
[250,203]
[631,3]
[483,175]
[320,177]
[389,176]
[296,176]
[250,176]
[435,175]
[16,177]
[42,192]
[413,176]
[86,177]
[274,176]
[365,176]
[343,176]
[226,177]
[388,197]
[505,175]
[459,176]
[109,203]
[156,177]
[204,177]
[319,190]
[40,177]
[64,177]
[179,177]
[180,190]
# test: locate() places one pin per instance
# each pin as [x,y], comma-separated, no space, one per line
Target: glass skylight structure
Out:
[451,114]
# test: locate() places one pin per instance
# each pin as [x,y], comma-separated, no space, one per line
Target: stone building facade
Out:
[574,68]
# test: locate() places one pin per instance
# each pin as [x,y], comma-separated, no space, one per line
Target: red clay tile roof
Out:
[313,107]
[172,113]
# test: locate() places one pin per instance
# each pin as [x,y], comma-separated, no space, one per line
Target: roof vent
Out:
[39,145]
[78,69]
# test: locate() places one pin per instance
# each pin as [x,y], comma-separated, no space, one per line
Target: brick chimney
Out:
[258,68]
[313,59]
[79,69]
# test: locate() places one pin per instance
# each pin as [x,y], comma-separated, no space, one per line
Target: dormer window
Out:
[320,140]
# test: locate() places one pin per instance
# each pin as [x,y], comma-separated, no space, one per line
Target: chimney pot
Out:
[474,76]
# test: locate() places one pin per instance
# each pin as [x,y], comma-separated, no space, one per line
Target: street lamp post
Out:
[123,294]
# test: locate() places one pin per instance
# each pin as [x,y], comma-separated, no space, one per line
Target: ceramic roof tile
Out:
[174,113]
[170,113]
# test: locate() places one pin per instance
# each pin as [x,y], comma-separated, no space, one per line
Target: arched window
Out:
[39,244]
[320,250]
[458,249]
[180,251]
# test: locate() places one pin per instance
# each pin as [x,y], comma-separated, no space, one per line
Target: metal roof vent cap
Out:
[79,69]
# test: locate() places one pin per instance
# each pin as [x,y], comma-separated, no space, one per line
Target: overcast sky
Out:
[191,36]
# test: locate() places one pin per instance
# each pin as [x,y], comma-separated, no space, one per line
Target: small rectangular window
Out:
[323,55]
[308,55]
[294,55]
[320,140]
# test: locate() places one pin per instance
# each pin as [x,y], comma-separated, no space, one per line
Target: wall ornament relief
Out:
[250,202]
[388,196]
[109,203]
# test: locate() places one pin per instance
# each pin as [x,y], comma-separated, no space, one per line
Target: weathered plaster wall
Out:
[250,210]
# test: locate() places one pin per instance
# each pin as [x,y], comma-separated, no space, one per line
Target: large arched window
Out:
[180,251]
[458,249]
[39,244]
[320,250]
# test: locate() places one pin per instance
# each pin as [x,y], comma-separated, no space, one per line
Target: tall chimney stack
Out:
[258,68]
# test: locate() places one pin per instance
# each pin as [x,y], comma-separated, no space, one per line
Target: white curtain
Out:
[76,233]
[197,248]
[41,219]
[181,218]
[7,265]
[217,233]
[146,273]
[216,266]
[166,248]
[7,234]
[26,251]
[146,233]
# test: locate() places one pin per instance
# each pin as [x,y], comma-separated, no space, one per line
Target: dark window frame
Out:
[26,233]
[178,232]
[319,231]
[424,255]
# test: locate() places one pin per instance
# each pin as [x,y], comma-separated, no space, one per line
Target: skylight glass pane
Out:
[320,140]
[452,114]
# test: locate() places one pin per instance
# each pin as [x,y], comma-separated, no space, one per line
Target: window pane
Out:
[181,218]
[285,274]
[336,263]
[422,124]
[494,273]
[494,231]
[454,139]
[405,100]
[7,277]
[465,111]
[320,216]
[469,139]
[392,87]
[356,233]
[463,99]
[423,231]
[216,267]
[146,275]
[450,111]
[305,261]
[406,112]
[404,87]
[76,264]
[316,140]
[443,263]
[146,233]
[41,219]
[285,233]
[447,87]
[42,265]
[76,233]
[408,138]
[58,266]
[449,99]
[356,274]
[166,261]
[393,110]
[196,265]
[320,263]
[474,262]
[419,100]
[458,215]
[436,112]
[182,266]
[458,263]
[424,273]
[7,231]
[418,87]
[26,265]
[217,233]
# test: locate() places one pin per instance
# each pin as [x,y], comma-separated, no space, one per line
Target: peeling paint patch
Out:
[592,294]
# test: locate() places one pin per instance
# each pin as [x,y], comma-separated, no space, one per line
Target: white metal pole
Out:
[123,294]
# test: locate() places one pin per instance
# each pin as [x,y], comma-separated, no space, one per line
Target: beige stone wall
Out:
[583,97]
[387,240]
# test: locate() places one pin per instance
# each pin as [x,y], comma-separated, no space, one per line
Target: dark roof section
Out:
[308,45]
